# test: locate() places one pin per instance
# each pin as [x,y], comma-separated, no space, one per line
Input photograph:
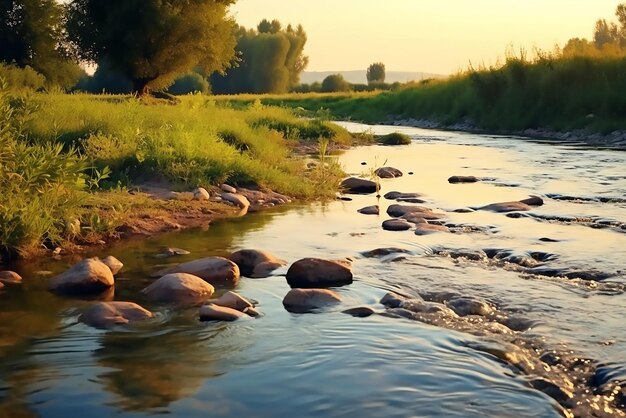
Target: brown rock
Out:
[10,277]
[370,210]
[113,263]
[236,199]
[213,312]
[533,201]
[305,300]
[232,300]
[316,272]
[504,207]
[426,229]
[215,270]
[400,210]
[360,186]
[414,218]
[396,225]
[256,263]
[109,314]
[462,179]
[360,312]
[88,276]
[180,288]
[388,172]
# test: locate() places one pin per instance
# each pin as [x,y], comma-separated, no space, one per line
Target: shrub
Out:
[395,138]
[335,83]
[21,78]
[190,83]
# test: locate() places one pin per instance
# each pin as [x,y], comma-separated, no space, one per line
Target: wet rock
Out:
[236,199]
[517,323]
[414,218]
[252,311]
[113,263]
[421,306]
[399,313]
[305,300]
[396,225]
[227,188]
[427,229]
[533,201]
[256,263]
[463,210]
[462,179]
[383,252]
[201,194]
[551,358]
[360,312]
[359,186]
[400,210]
[504,207]
[559,394]
[10,277]
[316,273]
[392,300]
[215,270]
[465,306]
[110,314]
[214,312]
[388,172]
[606,374]
[88,276]
[410,200]
[232,300]
[473,255]
[546,239]
[370,210]
[399,195]
[172,252]
[179,288]
[571,273]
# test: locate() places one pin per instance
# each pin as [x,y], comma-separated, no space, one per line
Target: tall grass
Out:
[548,91]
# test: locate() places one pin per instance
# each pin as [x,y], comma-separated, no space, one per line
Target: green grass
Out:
[553,92]
[59,151]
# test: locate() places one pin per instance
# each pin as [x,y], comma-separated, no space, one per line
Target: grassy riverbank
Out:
[67,162]
[550,92]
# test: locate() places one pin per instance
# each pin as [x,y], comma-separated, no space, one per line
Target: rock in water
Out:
[181,288]
[504,207]
[370,210]
[236,199]
[396,225]
[256,263]
[360,312]
[316,273]
[214,312]
[305,300]
[113,263]
[109,314]
[10,277]
[86,277]
[232,300]
[462,179]
[218,271]
[427,229]
[358,186]
[388,172]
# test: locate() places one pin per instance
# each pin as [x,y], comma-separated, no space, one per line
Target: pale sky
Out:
[437,36]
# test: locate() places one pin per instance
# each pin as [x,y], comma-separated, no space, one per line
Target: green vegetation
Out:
[59,153]
[335,83]
[395,138]
[375,73]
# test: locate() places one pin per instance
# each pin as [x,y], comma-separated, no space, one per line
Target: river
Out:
[330,364]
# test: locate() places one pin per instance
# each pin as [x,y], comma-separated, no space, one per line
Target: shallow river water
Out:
[329,364]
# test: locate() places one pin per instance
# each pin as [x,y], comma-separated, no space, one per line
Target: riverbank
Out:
[73,166]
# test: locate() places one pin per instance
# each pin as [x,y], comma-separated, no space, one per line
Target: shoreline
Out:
[614,141]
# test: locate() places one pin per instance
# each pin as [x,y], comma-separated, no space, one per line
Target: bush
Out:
[335,83]
[190,83]
[21,78]
[395,138]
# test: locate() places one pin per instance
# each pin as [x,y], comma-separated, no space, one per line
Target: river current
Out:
[565,283]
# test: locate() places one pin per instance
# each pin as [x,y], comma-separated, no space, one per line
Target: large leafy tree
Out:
[152,42]
[32,34]
[376,73]
[271,60]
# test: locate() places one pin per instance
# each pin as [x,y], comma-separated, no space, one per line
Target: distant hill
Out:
[358,76]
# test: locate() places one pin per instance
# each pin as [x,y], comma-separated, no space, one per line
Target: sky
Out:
[435,36]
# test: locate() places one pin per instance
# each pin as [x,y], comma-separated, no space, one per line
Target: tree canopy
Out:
[271,60]
[32,34]
[609,38]
[376,73]
[335,83]
[153,42]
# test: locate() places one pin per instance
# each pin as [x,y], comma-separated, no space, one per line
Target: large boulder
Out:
[218,271]
[256,263]
[113,263]
[10,277]
[109,314]
[388,172]
[462,179]
[180,288]
[359,186]
[305,300]
[316,273]
[89,276]
[212,312]
[232,300]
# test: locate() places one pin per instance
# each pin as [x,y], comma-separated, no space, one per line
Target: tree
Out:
[335,83]
[376,73]
[32,34]
[152,42]
[271,60]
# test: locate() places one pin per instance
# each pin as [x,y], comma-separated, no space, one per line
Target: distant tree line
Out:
[609,38]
